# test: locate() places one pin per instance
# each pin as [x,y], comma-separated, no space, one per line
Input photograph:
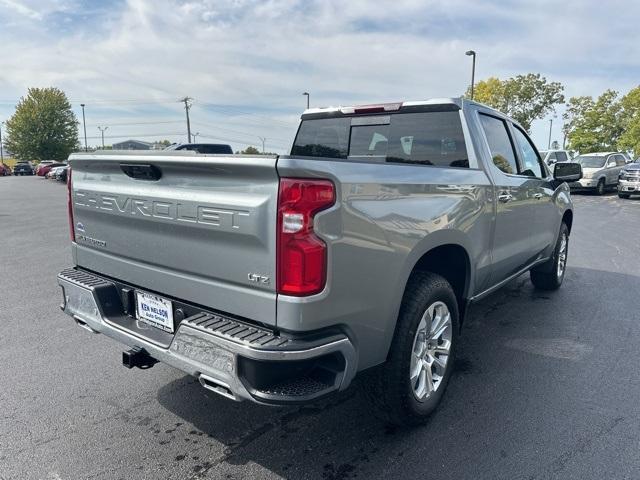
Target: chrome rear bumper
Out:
[238,360]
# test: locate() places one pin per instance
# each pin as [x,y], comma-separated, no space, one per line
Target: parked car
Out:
[552,156]
[44,170]
[4,170]
[629,180]
[210,148]
[61,173]
[40,167]
[53,171]
[23,168]
[599,171]
[275,279]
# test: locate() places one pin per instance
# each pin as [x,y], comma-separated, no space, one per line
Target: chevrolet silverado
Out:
[277,279]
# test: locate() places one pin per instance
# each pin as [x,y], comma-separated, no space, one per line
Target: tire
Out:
[601,187]
[624,195]
[391,388]
[550,275]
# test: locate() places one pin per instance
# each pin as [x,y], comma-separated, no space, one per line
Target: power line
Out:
[229,110]
[166,134]
[234,140]
[123,124]
[127,102]
[224,129]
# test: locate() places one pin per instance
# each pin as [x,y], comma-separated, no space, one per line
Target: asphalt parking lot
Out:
[547,384]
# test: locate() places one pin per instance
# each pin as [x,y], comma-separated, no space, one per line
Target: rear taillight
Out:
[72,230]
[302,255]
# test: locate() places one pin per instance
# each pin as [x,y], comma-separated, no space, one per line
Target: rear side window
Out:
[561,156]
[323,137]
[426,138]
[499,143]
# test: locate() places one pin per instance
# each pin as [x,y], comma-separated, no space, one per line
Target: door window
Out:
[531,164]
[620,161]
[499,143]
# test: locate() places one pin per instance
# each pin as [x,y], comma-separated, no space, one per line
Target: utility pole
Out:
[84,126]
[307,95]
[263,139]
[1,152]
[187,107]
[472,53]
[102,129]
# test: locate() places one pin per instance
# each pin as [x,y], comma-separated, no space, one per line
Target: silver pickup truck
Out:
[277,279]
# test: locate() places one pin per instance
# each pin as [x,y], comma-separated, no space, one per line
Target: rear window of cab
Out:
[424,138]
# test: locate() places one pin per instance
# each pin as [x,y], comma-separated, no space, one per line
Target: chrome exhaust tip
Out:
[216,386]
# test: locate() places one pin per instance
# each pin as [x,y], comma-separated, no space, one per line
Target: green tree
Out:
[250,151]
[594,125]
[525,98]
[630,138]
[43,126]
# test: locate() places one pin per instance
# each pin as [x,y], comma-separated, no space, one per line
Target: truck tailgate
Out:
[203,232]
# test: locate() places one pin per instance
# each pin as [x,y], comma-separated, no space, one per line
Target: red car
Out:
[44,167]
[4,170]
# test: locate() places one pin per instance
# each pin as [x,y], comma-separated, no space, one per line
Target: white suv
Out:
[554,156]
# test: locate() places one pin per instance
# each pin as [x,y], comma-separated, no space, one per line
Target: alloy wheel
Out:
[431,350]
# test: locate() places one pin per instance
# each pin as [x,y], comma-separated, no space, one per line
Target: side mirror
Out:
[567,172]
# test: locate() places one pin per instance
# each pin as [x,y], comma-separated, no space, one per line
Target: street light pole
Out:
[102,130]
[84,126]
[472,53]
[264,139]
[1,152]
[194,136]
[307,95]
[550,128]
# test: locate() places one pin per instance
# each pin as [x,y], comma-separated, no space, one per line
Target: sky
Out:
[246,63]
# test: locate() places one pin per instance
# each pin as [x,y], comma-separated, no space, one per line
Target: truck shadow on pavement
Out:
[516,346]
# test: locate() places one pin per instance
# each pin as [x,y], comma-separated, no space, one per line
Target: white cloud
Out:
[264,54]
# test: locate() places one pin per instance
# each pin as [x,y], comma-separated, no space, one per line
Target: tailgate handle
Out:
[141,171]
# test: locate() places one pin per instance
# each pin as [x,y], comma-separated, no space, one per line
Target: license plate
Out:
[155,311]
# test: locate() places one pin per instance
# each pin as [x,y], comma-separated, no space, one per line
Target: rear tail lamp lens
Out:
[302,255]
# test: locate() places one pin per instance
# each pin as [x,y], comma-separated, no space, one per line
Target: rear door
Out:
[512,246]
[194,227]
[541,192]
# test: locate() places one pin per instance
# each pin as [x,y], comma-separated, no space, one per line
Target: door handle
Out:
[537,196]
[505,197]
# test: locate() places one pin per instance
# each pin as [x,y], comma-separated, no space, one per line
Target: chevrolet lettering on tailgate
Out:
[187,212]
